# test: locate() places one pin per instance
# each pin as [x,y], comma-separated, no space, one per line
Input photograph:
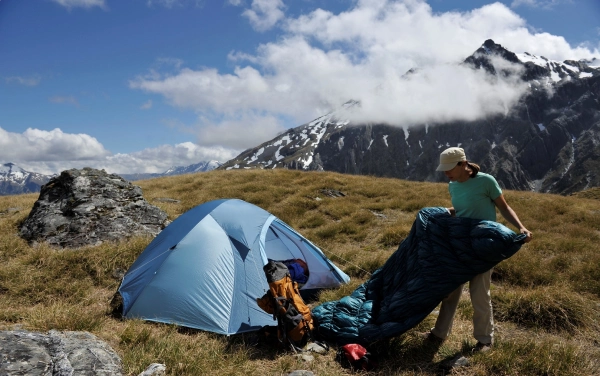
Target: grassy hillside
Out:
[546,297]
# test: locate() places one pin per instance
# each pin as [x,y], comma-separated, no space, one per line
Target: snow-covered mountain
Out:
[175,170]
[15,180]
[549,141]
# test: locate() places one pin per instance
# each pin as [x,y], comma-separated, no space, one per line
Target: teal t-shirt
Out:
[475,197]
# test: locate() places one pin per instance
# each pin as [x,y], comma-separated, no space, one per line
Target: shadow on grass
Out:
[405,353]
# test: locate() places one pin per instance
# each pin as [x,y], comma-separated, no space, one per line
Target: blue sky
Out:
[143,85]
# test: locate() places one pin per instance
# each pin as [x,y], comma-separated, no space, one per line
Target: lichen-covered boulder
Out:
[56,354]
[86,207]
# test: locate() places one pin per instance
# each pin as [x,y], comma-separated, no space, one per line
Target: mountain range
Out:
[15,180]
[549,141]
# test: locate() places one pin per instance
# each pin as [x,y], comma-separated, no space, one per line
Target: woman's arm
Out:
[509,214]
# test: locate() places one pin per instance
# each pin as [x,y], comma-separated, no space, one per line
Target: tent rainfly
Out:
[205,270]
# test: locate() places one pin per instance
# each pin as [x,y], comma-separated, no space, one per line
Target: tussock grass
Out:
[543,357]
[546,297]
[553,309]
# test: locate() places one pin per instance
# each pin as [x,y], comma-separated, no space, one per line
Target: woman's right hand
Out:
[529,234]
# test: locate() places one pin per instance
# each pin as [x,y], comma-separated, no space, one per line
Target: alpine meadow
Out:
[546,298]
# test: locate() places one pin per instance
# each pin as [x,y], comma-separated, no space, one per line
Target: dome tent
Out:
[205,270]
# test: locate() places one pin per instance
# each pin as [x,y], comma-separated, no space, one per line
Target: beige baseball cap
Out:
[450,157]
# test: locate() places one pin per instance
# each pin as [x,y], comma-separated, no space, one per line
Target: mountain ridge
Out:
[16,180]
[548,142]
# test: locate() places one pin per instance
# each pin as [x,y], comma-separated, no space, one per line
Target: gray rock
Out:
[456,362]
[168,200]
[56,354]
[155,369]
[301,373]
[316,348]
[87,207]
[305,357]
[332,192]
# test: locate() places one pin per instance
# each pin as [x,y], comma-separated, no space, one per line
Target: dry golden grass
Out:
[546,297]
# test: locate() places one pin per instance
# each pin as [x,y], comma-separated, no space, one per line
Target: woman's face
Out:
[457,173]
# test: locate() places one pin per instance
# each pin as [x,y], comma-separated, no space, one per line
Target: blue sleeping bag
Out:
[439,254]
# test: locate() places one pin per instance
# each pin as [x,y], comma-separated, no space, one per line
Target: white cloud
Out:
[161,158]
[238,131]
[169,4]
[324,59]
[27,81]
[64,99]
[165,3]
[147,105]
[264,14]
[169,62]
[35,145]
[438,94]
[51,152]
[81,3]
[544,4]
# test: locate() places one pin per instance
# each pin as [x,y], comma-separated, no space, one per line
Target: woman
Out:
[476,195]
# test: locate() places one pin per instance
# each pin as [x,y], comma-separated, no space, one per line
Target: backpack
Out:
[283,300]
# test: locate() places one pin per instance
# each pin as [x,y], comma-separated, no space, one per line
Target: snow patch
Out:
[585,75]
[527,57]
[255,156]
[385,136]
[541,127]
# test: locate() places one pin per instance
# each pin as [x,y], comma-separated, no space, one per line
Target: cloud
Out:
[543,4]
[161,158]
[322,60]
[27,81]
[147,105]
[169,4]
[264,14]
[457,93]
[81,3]
[253,128]
[64,99]
[169,62]
[35,145]
[51,152]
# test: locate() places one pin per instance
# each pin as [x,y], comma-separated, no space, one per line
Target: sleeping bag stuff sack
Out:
[439,254]
[284,302]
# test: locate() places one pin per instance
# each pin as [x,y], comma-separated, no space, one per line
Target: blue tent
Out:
[205,270]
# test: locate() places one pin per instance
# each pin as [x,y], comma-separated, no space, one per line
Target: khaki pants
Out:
[483,320]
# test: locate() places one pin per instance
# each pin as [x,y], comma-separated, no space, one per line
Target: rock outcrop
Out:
[87,207]
[56,354]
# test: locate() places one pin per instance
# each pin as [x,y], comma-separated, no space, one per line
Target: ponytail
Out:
[474,168]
